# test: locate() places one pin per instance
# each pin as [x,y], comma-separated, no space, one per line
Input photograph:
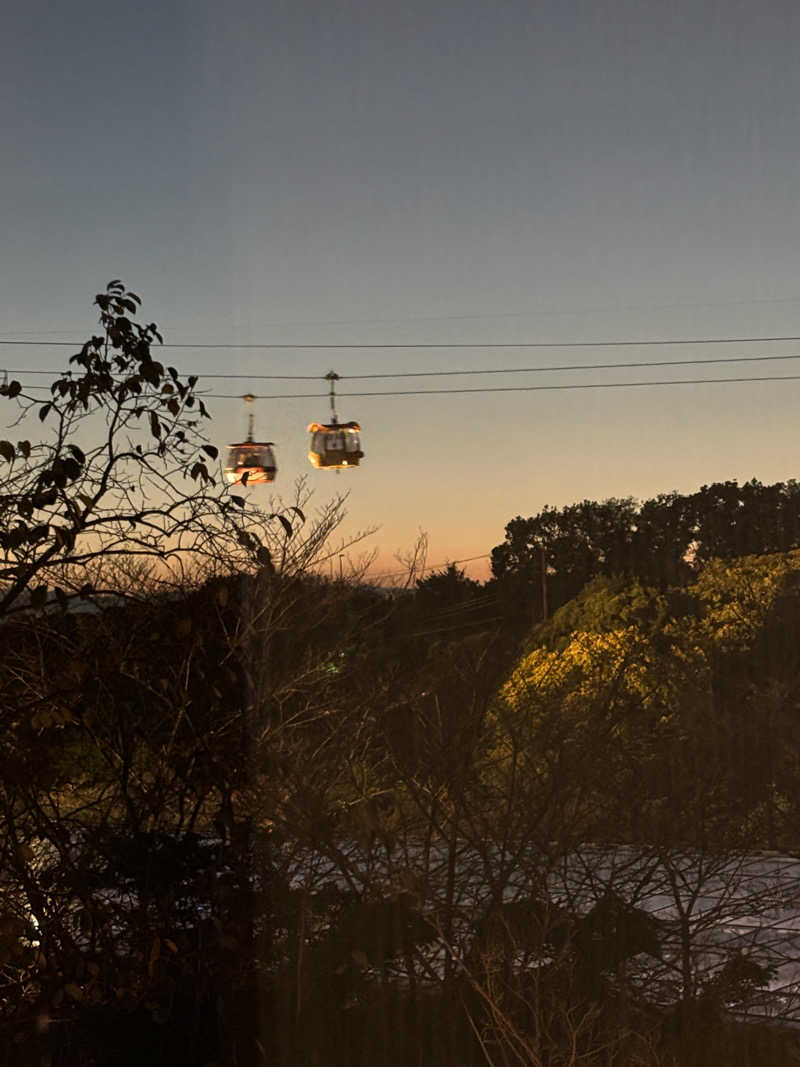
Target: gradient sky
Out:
[425,172]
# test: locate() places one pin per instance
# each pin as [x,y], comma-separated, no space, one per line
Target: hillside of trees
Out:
[661,542]
[254,816]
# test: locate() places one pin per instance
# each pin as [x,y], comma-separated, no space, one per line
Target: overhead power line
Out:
[280,346]
[515,388]
[431,566]
[494,388]
[561,367]
[469,371]
[226,377]
[531,312]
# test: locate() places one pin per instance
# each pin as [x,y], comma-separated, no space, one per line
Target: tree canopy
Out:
[122,471]
[663,541]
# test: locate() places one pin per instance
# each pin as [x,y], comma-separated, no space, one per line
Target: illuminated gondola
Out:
[250,462]
[335,445]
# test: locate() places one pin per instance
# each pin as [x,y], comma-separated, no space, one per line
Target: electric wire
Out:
[531,313]
[227,377]
[556,367]
[553,368]
[548,369]
[514,388]
[473,609]
[459,626]
[337,346]
[480,390]
[463,609]
[432,566]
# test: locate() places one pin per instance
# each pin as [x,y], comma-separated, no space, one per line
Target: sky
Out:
[425,173]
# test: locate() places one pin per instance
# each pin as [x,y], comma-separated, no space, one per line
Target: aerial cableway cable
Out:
[497,388]
[524,388]
[470,371]
[401,346]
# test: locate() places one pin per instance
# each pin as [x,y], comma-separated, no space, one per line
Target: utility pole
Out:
[543,563]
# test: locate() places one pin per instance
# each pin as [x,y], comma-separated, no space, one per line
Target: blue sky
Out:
[425,172]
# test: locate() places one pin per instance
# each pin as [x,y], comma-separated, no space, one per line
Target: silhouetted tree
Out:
[663,542]
[122,472]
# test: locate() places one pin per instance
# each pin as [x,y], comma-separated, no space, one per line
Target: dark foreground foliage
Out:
[257,825]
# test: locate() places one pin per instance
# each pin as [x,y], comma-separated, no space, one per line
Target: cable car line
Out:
[242,377]
[535,312]
[401,346]
[562,367]
[553,368]
[491,388]
[518,388]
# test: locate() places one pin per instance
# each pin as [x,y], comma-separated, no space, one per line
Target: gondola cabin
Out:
[250,462]
[252,458]
[334,446]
